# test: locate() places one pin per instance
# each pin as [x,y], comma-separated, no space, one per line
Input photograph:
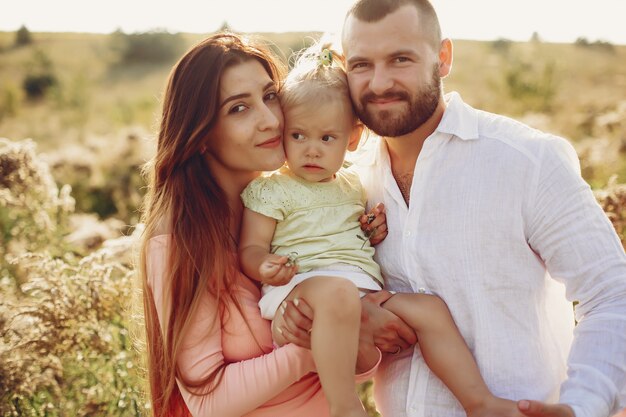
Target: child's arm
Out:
[256,260]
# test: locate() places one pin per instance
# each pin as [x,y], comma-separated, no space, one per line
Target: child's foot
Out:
[495,407]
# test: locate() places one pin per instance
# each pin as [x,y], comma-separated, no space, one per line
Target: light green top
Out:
[317,220]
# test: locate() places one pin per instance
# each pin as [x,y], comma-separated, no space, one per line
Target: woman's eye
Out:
[237,109]
[328,138]
[297,136]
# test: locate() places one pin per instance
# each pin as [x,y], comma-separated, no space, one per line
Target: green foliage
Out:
[40,76]
[10,101]
[532,86]
[365,391]
[501,45]
[23,36]
[33,211]
[148,47]
[65,342]
[598,45]
[65,347]
[105,176]
[612,199]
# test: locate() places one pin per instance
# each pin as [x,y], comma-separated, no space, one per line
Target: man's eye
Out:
[271,96]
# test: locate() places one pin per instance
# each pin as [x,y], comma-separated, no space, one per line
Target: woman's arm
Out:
[256,260]
[245,385]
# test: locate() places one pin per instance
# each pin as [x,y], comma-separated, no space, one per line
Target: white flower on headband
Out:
[326,58]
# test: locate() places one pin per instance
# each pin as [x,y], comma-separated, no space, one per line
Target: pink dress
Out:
[255,383]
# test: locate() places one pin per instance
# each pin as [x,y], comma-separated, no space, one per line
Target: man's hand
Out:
[374,224]
[539,409]
[277,270]
[391,334]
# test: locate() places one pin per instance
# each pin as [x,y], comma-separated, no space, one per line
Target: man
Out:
[493,217]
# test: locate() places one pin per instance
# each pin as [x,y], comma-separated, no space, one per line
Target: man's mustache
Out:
[390,95]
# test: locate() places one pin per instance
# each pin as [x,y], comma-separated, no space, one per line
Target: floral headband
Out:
[326,58]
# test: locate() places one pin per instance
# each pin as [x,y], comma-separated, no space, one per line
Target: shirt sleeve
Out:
[265,196]
[575,239]
[245,385]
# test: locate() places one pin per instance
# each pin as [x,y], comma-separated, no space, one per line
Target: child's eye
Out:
[237,109]
[297,136]
[328,138]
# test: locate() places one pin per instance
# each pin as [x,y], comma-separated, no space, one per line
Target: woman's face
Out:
[247,135]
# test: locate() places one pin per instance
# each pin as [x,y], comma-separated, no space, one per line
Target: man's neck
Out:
[404,151]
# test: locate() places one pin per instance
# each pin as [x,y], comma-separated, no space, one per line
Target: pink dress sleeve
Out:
[246,384]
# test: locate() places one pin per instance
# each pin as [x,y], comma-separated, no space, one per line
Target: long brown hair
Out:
[184,196]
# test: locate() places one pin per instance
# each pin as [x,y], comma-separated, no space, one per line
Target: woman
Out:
[210,352]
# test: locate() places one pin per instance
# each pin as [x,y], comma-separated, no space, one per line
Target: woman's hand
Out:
[294,322]
[391,334]
[374,224]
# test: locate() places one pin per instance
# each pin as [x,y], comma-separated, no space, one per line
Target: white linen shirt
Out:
[504,229]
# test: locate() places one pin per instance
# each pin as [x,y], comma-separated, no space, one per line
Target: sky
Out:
[553,20]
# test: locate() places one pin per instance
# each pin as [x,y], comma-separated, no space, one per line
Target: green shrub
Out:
[40,76]
[532,86]
[148,47]
[10,100]
[34,213]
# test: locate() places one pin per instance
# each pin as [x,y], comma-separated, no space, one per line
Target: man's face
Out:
[393,71]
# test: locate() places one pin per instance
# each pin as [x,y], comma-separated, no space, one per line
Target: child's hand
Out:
[277,270]
[374,224]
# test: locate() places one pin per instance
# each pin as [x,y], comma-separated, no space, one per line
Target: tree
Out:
[23,36]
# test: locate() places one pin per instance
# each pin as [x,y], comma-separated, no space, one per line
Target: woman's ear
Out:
[355,136]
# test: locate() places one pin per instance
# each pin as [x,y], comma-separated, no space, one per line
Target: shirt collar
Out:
[459,119]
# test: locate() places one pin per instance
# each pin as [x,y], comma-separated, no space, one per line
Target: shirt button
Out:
[407,233]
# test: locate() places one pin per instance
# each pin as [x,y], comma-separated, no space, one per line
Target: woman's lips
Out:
[270,143]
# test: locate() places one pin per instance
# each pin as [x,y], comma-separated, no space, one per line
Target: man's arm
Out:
[580,248]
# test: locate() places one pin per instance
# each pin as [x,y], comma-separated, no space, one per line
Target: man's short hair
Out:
[375,10]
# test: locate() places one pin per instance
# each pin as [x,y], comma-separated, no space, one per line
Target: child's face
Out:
[316,138]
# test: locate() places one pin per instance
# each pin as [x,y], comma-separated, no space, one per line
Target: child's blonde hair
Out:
[317,76]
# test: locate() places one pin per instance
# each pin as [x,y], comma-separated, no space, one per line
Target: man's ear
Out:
[445,58]
[355,136]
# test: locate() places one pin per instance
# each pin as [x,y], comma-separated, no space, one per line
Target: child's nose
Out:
[312,151]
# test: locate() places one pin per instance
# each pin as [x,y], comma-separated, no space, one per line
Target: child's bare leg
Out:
[447,354]
[334,339]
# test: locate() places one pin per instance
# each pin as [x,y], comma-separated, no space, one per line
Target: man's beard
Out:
[422,105]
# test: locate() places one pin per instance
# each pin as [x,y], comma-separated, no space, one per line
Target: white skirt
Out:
[273,296]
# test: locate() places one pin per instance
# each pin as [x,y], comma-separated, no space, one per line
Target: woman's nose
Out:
[268,119]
